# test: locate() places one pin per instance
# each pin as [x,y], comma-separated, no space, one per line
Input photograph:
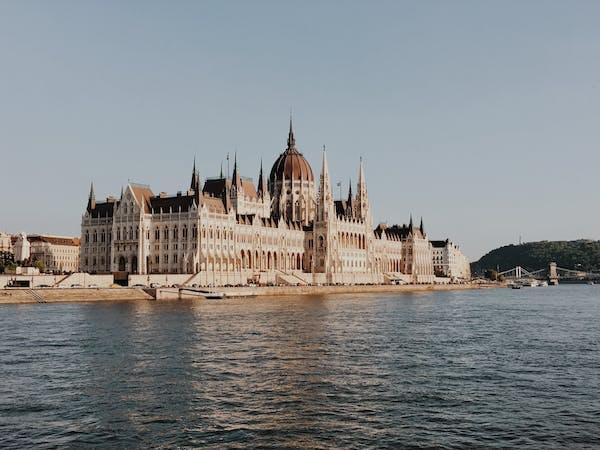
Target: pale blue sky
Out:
[484,117]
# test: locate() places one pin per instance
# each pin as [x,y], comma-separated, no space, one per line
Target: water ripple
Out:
[439,370]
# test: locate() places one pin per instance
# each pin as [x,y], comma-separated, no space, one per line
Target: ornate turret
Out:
[91,199]
[362,200]
[194,182]
[236,179]
[262,183]
[350,201]
[325,197]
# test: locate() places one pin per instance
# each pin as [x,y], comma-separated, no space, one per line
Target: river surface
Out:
[483,368]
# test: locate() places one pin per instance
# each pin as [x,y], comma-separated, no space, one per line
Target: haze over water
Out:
[451,369]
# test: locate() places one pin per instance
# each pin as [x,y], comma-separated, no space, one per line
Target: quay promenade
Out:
[54,295]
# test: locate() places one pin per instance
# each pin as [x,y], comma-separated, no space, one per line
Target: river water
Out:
[496,368]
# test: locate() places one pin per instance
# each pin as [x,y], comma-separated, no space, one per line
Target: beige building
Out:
[5,243]
[287,229]
[58,253]
[449,261]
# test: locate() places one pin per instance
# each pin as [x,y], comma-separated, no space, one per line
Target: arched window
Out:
[166,233]
[157,234]
[321,242]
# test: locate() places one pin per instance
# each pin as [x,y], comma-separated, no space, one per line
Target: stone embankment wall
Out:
[323,290]
[71,295]
[80,278]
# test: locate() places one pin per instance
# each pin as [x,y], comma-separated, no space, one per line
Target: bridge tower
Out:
[552,273]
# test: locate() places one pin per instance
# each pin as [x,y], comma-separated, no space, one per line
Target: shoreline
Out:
[84,295]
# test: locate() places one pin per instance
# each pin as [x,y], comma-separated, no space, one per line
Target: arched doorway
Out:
[134,264]
[122,264]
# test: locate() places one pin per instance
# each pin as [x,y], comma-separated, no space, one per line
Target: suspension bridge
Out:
[553,274]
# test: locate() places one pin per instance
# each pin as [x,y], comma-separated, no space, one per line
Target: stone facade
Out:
[58,253]
[287,230]
[6,243]
[449,261]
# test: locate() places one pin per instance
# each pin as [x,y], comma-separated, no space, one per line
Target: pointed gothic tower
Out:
[263,193]
[325,197]
[91,199]
[350,201]
[193,184]
[236,179]
[322,255]
[362,200]
[262,183]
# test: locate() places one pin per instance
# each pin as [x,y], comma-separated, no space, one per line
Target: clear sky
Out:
[482,117]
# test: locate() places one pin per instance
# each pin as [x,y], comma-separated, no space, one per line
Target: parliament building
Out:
[287,229]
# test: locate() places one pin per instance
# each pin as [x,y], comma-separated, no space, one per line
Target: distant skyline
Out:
[481,117]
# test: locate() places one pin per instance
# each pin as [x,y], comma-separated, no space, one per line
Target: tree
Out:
[491,274]
[39,264]
[7,261]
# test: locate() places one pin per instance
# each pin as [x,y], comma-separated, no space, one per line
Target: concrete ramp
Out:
[289,279]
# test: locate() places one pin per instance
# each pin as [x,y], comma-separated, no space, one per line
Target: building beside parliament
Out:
[287,229]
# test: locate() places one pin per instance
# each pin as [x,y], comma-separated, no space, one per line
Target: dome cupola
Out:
[291,165]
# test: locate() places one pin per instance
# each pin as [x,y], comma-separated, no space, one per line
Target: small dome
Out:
[291,164]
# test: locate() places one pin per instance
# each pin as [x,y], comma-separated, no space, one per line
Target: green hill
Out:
[581,254]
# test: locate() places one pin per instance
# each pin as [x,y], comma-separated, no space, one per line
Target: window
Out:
[166,233]
[157,234]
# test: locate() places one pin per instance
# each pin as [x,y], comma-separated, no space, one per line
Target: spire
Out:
[291,142]
[325,202]
[349,206]
[121,196]
[262,184]
[421,227]
[193,184]
[410,224]
[362,198]
[92,198]
[221,175]
[236,180]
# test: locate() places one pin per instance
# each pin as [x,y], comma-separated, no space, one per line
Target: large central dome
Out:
[291,165]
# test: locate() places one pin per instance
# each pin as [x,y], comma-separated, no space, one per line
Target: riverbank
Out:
[53,295]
